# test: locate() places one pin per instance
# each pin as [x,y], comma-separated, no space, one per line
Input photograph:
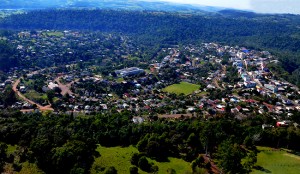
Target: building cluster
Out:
[233,80]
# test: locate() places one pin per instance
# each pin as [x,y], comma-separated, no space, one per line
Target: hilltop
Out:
[106,4]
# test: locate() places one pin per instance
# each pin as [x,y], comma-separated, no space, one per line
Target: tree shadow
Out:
[295,153]
[262,169]
[162,159]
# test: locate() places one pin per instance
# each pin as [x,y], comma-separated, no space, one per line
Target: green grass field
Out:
[120,158]
[56,34]
[11,149]
[35,96]
[276,162]
[120,80]
[183,87]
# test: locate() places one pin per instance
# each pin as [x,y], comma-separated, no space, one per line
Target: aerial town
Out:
[206,80]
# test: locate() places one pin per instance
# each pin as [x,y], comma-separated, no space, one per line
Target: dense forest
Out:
[277,33]
[67,144]
[8,58]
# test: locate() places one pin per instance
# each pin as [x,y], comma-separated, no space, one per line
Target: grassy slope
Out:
[120,158]
[277,162]
[183,87]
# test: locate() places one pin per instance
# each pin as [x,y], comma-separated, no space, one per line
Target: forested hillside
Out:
[7,56]
[277,33]
[64,144]
[106,4]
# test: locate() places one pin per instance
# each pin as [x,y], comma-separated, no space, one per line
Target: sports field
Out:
[182,87]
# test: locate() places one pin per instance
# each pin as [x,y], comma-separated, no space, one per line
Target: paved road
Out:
[40,107]
[217,76]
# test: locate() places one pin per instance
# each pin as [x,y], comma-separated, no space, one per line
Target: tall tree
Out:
[229,156]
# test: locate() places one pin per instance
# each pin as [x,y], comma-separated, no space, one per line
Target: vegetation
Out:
[275,33]
[120,157]
[183,87]
[270,160]
[48,141]
[104,142]
[56,34]
[8,57]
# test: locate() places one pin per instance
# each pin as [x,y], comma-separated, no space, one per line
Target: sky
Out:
[261,6]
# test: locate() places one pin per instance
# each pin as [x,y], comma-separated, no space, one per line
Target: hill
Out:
[276,33]
[106,4]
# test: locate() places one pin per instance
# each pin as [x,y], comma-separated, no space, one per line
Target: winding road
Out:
[40,107]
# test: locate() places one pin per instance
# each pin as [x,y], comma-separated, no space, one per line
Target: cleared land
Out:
[276,162]
[119,157]
[182,87]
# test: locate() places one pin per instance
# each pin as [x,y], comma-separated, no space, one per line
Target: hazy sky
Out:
[262,6]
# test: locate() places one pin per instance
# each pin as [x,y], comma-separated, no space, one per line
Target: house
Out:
[22,89]
[52,86]
[129,71]
[249,84]
[138,120]
[265,126]
[283,123]
[272,88]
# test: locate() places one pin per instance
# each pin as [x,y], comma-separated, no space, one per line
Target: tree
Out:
[9,96]
[153,149]
[144,164]
[229,156]
[111,170]
[133,170]
[50,95]
[250,161]
[248,142]
[3,149]
[171,171]
[135,159]
[72,154]
[193,140]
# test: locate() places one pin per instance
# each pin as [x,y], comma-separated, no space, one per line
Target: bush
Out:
[134,170]
[76,170]
[135,159]
[111,170]
[171,171]
[144,164]
[154,168]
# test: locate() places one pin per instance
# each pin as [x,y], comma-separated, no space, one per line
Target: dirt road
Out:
[40,107]
[65,89]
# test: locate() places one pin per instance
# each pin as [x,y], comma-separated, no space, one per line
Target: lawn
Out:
[11,148]
[276,162]
[120,80]
[35,96]
[183,87]
[54,33]
[119,157]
